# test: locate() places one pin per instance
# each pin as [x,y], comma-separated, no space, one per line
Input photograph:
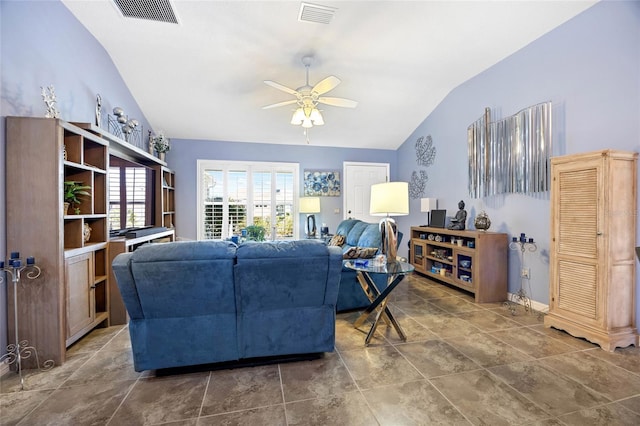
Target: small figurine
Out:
[98,109]
[459,220]
[49,98]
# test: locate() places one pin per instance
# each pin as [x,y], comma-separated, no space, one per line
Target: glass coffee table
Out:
[395,273]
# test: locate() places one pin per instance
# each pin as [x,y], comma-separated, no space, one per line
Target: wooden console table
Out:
[475,261]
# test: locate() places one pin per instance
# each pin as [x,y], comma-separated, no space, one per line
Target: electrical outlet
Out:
[525,273]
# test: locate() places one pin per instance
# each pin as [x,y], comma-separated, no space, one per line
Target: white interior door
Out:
[358,178]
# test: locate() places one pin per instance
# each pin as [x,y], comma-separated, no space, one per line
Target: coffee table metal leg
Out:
[370,289]
[379,302]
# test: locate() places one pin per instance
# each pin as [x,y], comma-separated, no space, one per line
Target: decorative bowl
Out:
[465,263]
[466,278]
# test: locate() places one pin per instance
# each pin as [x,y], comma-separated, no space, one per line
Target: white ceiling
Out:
[203,78]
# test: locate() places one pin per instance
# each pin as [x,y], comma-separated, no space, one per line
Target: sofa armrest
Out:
[333,277]
[122,270]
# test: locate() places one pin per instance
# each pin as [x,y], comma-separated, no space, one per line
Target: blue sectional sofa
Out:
[357,234]
[202,302]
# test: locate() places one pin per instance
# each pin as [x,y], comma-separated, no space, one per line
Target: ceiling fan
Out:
[308,97]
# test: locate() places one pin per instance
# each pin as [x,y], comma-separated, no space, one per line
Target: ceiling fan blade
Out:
[339,102]
[279,104]
[325,85]
[280,87]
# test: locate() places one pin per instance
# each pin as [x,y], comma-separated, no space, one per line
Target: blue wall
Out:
[184,154]
[589,68]
[43,44]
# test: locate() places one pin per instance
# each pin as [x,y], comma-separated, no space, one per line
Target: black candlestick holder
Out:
[523,244]
[21,349]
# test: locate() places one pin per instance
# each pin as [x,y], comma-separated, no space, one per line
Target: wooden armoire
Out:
[592,259]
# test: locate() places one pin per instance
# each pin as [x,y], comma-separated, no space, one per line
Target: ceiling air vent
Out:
[315,13]
[153,10]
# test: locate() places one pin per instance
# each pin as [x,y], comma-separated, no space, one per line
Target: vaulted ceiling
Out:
[202,78]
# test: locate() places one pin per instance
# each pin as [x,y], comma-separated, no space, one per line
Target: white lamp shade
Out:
[389,199]
[310,205]
[428,204]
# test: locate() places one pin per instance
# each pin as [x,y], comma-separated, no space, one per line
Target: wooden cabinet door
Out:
[576,230]
[418,255]
[79,291]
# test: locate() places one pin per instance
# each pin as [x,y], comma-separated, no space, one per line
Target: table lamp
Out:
[389,199]
[310,205]
[426,205]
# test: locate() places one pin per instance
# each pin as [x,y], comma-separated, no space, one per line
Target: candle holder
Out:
[21,349]
[523,244]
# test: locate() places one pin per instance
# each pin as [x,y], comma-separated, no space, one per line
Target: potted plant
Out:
[161,145]
[72,191]
[255,233]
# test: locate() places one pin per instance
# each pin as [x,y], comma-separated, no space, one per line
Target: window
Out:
[130,188]
[233,195]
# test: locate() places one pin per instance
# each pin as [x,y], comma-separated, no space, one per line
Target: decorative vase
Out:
[482,221]
[86,232]
[65,208]
[161,156]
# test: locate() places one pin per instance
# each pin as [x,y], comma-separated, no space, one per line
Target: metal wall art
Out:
[418,184]
[425,156]
[321,183]
[510,155]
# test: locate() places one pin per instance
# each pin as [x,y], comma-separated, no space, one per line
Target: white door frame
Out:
[346,186]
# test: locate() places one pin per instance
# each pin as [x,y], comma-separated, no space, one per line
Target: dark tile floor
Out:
[462,364]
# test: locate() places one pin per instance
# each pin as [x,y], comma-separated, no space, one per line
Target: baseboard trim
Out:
[536,306]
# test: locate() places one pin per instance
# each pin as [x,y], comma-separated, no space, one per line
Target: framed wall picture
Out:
[319,183]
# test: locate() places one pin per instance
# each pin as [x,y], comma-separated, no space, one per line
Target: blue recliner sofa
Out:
[202,302]
[357,234]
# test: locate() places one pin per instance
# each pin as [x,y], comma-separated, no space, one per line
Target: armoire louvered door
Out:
[592,268]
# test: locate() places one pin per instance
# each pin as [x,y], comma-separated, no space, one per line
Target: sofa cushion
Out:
[354,235]
[370,236]
[345,226]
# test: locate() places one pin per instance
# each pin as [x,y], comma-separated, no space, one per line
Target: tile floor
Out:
[462,364]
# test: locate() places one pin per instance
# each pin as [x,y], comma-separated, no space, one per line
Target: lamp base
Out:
[311,226]
[389,239]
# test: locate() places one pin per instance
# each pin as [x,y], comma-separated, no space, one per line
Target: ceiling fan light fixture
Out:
[308,97]
[298,116]
[306,123]
[316,117]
